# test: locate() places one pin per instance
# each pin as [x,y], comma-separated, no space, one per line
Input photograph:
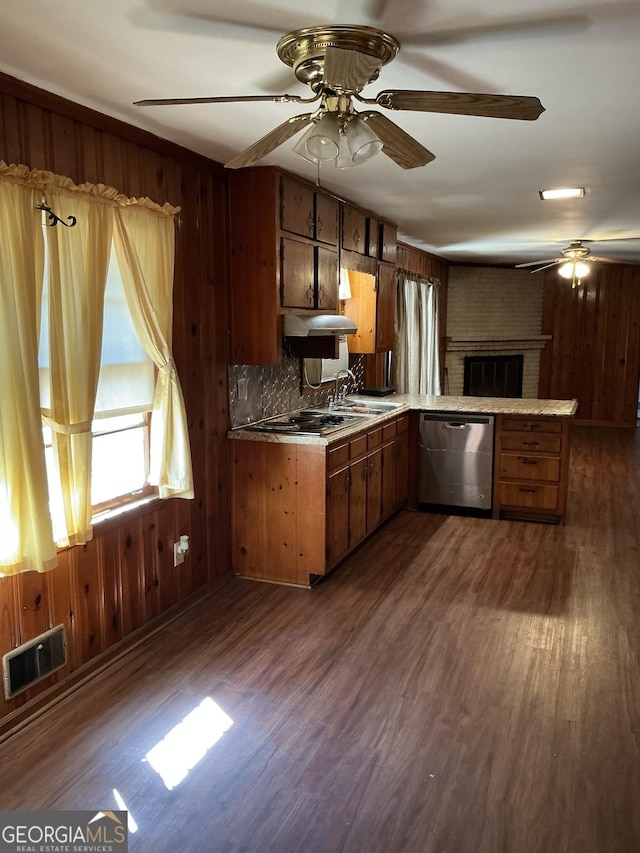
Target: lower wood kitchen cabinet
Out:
[298,509]
[531,468]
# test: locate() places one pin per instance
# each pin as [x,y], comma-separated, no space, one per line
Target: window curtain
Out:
[26,534]
[79,259]
[145,245]
[416,363]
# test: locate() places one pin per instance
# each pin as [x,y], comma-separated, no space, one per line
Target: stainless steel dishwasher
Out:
[456,460]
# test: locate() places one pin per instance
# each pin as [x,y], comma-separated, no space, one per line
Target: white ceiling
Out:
[478,201]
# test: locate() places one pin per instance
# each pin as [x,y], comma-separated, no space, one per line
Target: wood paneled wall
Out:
[124,577]
[594,355]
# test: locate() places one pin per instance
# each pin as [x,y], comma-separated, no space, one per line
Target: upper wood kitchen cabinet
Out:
[369,254]
[283,238]
[372,309]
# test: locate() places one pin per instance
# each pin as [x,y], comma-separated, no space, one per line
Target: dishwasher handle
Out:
[456,424]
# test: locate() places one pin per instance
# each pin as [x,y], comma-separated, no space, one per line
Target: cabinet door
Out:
[337,515]
[373,237]
[327,210]
[374,489]
[327,279]
[296,208]
[361,308]
[297,279]
[357,501]
[388,242]
[402,467]
[354,230]
[389,476]
[385,307]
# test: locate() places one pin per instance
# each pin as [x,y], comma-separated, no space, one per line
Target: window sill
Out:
[102,519]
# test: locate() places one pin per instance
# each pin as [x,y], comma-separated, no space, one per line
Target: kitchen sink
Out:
[362,408]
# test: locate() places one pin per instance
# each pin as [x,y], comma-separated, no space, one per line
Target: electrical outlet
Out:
[242,389]
[178,556]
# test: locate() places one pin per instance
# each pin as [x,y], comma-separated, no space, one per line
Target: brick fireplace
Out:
[493,312]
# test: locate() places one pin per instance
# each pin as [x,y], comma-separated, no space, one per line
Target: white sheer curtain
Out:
[416,363]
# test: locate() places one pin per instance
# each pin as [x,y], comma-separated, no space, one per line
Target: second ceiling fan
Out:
[337,62]
[574,262]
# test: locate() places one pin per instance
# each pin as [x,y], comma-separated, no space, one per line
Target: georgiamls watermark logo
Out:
[63,832]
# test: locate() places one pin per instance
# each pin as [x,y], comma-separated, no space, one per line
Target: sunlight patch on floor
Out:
[188,742]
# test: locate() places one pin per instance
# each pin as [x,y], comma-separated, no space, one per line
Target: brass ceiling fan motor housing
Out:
[305,50]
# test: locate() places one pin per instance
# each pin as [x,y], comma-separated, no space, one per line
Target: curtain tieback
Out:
[67,429]
[169,366]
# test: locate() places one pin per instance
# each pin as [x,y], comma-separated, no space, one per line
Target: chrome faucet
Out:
[340,394]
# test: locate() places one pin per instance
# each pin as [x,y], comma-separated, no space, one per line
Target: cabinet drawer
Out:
[532,444]
[357,446]
[374,438]
[531,425]
[528,496]
[402,424]
[531,467]
[388,431]
[338,456]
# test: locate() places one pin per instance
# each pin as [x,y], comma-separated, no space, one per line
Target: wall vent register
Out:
[33,660]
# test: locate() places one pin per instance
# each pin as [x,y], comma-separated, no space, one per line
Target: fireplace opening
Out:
[493,375]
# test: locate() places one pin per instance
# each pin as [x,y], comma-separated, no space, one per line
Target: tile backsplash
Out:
[275,390]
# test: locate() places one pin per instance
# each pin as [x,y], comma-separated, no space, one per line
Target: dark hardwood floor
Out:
[458,685]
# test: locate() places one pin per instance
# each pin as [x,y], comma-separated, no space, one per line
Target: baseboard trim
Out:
[60,691]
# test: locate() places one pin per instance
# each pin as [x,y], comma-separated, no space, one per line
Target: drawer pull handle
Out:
[531,443]
[527,491]
[524,460]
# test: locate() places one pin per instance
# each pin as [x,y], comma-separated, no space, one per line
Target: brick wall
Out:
[493,311]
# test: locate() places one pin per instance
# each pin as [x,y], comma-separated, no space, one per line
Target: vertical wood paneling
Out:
[87,590]
[131,558]
[125,575]
[594,355]
[33,606]
[112,590]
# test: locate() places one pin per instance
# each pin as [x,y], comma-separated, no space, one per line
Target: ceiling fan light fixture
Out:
[574,271]
[566,270]
[566,192]
[363,142]
[321,143]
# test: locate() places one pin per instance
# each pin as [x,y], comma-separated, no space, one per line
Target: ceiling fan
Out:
[337,62]
[575,262]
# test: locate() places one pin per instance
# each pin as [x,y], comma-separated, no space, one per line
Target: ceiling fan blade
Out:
[614,261]
[403,149]
[546,266]
[460,103]
[268,143]
[348,70]
[279,99]
[535,263]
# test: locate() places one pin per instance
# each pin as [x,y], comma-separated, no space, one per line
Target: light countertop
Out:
[527,407]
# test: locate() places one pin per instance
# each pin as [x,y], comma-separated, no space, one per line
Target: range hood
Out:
[307,325]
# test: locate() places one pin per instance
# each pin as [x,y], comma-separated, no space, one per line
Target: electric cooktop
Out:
[304,422]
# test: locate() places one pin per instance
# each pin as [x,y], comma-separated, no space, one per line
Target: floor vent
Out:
[32,661]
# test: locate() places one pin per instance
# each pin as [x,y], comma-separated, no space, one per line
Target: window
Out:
[120,429]
[139,424]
